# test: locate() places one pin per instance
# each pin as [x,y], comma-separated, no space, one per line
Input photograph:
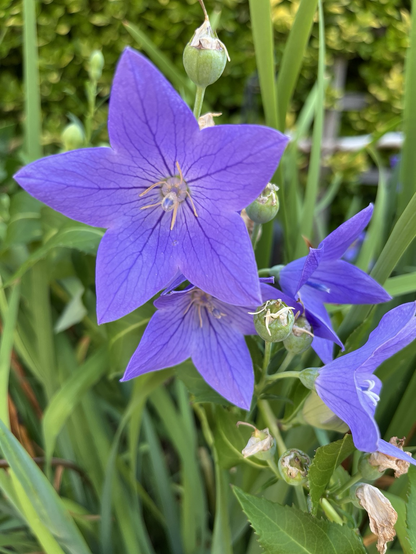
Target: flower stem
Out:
[285,375]
[286,362]
[354,479]
[267,354]
[300,497]
[255,235]
[199,98]
[265,272]
[274,468]
[330,512]
[271,423]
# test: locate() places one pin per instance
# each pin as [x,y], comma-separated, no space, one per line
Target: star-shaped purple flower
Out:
[194,324]
[322,277]
[349,388]
[167,193]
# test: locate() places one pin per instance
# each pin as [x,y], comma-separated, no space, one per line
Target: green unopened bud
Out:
[205,56]
[300,338]
[308,377]
[265,207]
[369,472]
[275,272]
[72,137]
[274,320]
[96,65]
[261,444]
[317,414]
[293,466]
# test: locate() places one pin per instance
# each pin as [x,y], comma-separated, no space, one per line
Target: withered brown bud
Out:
[383,462]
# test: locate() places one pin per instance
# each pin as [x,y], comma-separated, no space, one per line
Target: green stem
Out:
[255,235]
[354,479]
[300,497]
[285,375]
[286,362]
[274,468]
[330,511]
[267,356]
[199,98]
[265,272]
[271,423]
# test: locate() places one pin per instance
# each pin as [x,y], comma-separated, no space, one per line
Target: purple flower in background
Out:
[322,277]
[194,324]
[167,192]
[349,388]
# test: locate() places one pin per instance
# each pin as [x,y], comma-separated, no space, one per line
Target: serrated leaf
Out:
[411,509]
[285,530]
[327,459]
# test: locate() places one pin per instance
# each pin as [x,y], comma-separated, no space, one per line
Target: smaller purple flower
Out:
[193,324]
[349,388]
[322,277]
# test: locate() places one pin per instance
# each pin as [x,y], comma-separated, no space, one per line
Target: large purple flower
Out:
[194,324]
[349,388]
[167,192]
[322,277]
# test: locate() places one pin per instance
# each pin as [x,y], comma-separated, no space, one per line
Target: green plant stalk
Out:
[92,95]
[286,362]
[255,235]
[330,511]
[283,375]
[271,423]
[300,497]
[354,479]
[199,100]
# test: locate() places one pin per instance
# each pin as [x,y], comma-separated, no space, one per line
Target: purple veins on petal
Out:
[166,192]
[349,388]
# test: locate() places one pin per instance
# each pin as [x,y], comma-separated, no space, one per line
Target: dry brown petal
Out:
[383,462]
[249,224]
[207,120]
[381,514]
[256,444]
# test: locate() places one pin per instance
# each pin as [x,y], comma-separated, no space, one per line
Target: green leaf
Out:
[401,528]
[196,385]
[24,224]
[69,395]
[411,508]
[325,462]
[75,310]
[285,530]
[41,494]
[401,284]
[74,235]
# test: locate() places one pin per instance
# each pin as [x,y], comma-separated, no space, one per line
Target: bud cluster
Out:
[274,321]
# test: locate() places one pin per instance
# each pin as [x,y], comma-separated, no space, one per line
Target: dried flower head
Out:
[207,120]
[381,514]
[261,443]
[383,461]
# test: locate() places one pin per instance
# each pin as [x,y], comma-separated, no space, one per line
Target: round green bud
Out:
[314,412]
[274,321]
[293,466]
[308,377]
[205,56]
[265,207]
[368,471]
[72,137]
[300,338]
[96,65]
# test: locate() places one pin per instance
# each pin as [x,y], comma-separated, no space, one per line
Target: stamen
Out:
[180,173]
[151,205]
[151,187]
[175,211]
[192,202]
[302,330]
[199,315]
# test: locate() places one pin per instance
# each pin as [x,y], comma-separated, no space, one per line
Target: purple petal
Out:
[134,262]
[166,341]
[324,348]
[233,163]
[222,358]
[336,243]
[347,284]
[93,185]
[294,275]
[148,121]
[391,450]
[216,255]
[318,317]
[338,390]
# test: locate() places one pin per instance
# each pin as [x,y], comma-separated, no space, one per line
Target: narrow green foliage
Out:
[401,529]
[325,462]
[41,494]
[285,530]
[411,509]
[401,284]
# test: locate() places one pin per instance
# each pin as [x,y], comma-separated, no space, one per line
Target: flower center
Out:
[201,299]
[368,391]
[174,191]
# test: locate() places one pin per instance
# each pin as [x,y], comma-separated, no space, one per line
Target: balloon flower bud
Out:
[308,377]
[380,462]
[96,65]
[205,56]
[265,207]
[294,466]
[300,338]
[72,136]
[381,514]
[261,444]
[274,320]
[316,413]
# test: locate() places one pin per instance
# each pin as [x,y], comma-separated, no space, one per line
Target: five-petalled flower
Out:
[350,389]
[167,192]
[322,277]
[193,324]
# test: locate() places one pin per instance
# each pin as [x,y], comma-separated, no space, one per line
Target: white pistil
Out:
[374,398]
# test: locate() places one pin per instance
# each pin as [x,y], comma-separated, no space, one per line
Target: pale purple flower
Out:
[322,277]
[167,193]
[349,388]
[194,324]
